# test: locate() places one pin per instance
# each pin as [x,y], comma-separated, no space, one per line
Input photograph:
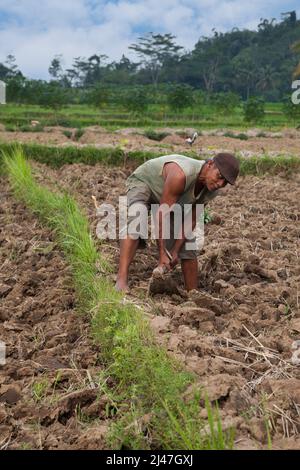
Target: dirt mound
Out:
[208,142]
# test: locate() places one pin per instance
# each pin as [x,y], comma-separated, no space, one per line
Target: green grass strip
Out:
[147,395]
[59,156]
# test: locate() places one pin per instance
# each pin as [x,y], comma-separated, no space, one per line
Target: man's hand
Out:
[168,260]
[165,262]
[175,259]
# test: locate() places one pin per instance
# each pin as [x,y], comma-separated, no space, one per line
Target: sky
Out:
[35,31]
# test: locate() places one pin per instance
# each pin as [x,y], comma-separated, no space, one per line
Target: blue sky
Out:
[37,30]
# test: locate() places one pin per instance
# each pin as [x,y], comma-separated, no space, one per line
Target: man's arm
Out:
[174,186]
[185,230]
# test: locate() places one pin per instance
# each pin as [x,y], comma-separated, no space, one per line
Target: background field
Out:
[112,118]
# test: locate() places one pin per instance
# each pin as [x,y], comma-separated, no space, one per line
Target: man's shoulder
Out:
[175,171]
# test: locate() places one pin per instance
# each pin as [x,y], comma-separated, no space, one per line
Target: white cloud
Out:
[39,14]
[34,30]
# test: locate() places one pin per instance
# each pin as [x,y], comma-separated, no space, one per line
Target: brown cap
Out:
[228,165]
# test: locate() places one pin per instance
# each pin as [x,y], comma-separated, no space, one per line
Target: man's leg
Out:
[190,273]
[189,264]
[128,248]
[139,195]
[188,258]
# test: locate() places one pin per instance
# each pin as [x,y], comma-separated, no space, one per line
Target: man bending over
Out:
[166,181]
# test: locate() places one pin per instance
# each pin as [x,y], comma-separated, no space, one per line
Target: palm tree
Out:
[296,48]
[266,78]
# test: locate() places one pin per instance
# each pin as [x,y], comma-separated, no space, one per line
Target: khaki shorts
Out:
[140,193]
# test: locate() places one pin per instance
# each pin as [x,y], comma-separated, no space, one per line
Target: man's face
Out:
[214,180]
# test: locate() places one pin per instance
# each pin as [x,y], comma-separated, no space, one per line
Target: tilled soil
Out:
[210,142]
[49,395]
[238,331]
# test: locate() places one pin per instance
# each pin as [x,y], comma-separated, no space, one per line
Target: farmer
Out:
[165,181]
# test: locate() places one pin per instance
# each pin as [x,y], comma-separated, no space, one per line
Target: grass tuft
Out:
[154,135]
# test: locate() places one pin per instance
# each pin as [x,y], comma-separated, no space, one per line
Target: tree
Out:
[122,72]
[94,69]
[15,89]
[4,72]
[291,110]
[72,76]
[9,69]
[180,97]
[208,57]
[98,96]
[266,78]
[266,28]
[86,72]
[290,17]
[11,65]
[135,100]
[254,110]
[245,71]
[296,48]
[53,97]
[55,69]
[226,102]
[154,50]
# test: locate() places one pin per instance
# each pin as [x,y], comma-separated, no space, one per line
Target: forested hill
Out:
[246,62]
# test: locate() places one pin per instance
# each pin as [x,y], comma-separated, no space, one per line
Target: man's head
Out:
[220,170]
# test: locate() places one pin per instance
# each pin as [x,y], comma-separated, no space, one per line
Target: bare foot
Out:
[121,286]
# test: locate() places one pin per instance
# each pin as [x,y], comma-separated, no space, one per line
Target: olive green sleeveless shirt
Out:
[151,174]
